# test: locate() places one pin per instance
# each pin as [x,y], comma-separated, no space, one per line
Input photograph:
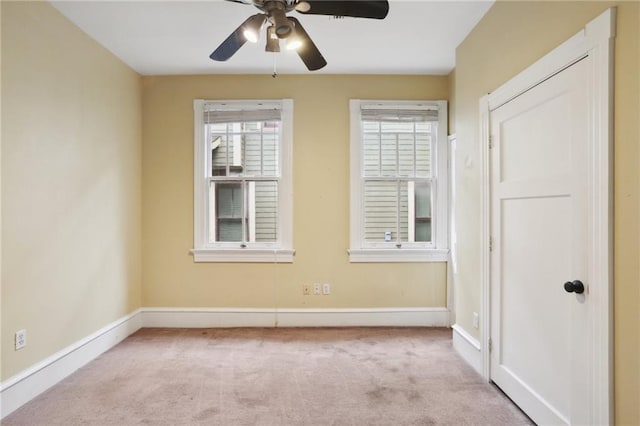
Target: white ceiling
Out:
[177,37]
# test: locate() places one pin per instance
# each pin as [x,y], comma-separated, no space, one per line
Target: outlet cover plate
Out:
[21,339]
[326,289]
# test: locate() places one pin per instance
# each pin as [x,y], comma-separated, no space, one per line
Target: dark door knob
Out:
[574,287]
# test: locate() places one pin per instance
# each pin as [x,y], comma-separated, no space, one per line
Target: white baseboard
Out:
[207,317]
[256,317]
[364,317]
[467,347]
[26,385]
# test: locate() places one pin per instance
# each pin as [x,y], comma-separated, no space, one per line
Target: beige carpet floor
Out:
[255,376]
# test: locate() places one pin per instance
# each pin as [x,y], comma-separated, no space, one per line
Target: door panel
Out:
[539,228]
[544,123]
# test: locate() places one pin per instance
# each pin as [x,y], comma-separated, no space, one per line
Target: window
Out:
[398,181]
[242,181]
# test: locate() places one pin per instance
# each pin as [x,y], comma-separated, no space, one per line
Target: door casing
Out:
[596,41]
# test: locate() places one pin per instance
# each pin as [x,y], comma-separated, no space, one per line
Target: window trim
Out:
[438,250]
[279,252]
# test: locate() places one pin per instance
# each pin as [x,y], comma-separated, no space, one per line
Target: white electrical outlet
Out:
[306,289]
[326,289]
[476,320]
[317,289]
[21,339]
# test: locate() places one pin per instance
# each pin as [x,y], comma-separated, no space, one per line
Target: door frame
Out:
[595,40]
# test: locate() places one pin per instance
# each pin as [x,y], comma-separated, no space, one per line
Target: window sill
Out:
[398,255]
[243,255]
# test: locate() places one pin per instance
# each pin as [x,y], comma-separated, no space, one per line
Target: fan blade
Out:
[232,43]
[240,1]
[308,52]
[375,9]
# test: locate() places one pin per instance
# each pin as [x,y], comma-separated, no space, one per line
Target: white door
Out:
[539,331]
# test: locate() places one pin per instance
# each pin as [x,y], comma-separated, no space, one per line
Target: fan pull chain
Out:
[275,73]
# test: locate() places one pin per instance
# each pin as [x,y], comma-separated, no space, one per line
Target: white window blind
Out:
[239,113]
[373,112]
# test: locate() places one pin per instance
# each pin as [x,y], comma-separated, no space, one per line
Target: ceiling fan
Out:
[280,26]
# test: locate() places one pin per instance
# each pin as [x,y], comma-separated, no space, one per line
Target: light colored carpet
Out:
[255,376]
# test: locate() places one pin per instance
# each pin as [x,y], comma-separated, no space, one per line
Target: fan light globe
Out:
[251,35]
[252,27]
[294,44]
[283,26]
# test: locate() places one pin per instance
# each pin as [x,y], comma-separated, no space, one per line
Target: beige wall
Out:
[509,38]
[71,173]
[321,199]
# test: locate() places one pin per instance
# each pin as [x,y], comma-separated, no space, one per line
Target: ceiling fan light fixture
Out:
[273,42]
[294,43]
[252,28]
[279,20]
[251,35]
[283,31]
[277,13]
